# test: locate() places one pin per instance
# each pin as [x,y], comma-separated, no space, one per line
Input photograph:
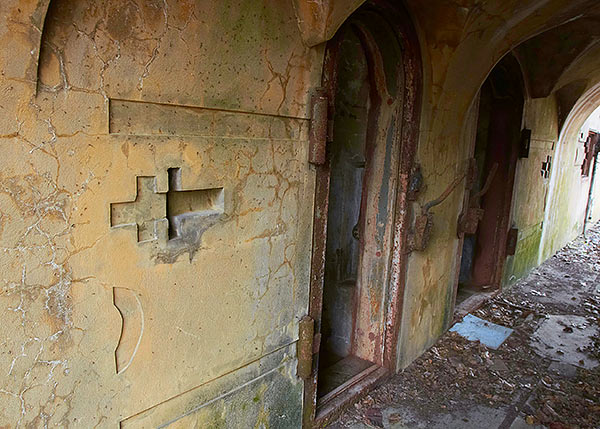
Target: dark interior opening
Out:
[348,157]
[363,178]
[496,153]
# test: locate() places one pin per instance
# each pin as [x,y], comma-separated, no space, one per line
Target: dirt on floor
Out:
[545,374]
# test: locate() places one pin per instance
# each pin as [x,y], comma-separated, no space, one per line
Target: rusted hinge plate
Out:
[319,128]
[306,336]
[420,235]
[469,220]
[511,242]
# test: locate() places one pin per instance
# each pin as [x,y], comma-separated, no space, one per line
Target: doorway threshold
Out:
[335,376]
[331,405]
[472,303]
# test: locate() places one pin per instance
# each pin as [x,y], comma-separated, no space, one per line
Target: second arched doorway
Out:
[490,184]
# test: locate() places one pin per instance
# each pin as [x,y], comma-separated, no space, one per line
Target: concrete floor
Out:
[546,374]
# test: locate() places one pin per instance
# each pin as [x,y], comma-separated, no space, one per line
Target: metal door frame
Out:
[406,136]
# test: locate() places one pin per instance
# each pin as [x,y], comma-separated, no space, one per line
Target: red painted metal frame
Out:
[406,137]
[510,150]
[505,215]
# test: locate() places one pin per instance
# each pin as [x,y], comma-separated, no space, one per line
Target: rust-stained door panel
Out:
[359,239]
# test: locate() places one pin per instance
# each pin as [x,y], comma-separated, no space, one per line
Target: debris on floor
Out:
[545,374]
[475,329]
[565,338]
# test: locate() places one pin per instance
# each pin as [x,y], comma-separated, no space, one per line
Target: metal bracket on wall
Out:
[511,241]
[421,233]
[468,220]
[419,237]
[525,143]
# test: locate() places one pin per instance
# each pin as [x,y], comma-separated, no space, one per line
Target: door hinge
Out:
[415,183]
[320,127]
[511,241]
[306,346]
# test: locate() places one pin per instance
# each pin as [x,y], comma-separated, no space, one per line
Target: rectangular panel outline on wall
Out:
[177,407]
[159,119]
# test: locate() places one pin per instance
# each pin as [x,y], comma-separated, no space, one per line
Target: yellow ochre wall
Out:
[99,329]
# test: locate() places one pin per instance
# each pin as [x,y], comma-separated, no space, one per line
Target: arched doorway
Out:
[495,156]
[372,81]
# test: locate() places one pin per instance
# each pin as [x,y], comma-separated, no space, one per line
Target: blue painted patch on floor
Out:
[475,329]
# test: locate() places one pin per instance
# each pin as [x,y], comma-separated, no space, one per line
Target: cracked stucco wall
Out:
[231,81]
[549,212]
[95,330]
[567,196]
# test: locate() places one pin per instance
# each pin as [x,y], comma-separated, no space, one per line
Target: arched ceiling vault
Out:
[462,41]
[546,57]
[578,80]
[565,61]
[581,110]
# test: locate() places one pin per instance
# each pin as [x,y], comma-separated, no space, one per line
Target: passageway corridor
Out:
[546,373]
[255,213]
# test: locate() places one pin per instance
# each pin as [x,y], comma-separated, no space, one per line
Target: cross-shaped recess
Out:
[144,212]
[180,207]
[546,166]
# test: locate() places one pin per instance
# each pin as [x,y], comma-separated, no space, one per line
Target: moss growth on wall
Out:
[525,258]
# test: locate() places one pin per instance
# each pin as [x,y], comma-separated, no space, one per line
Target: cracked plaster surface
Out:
[62,169]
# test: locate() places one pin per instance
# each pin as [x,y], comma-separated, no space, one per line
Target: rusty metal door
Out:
[359,206]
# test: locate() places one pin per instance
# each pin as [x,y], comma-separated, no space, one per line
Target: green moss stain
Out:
[525,258]
[273,400]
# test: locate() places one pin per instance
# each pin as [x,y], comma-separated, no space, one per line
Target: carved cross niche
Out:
[546,166]
[151,210]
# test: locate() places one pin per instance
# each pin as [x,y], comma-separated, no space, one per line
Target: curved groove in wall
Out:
[132,326]
[42,12]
